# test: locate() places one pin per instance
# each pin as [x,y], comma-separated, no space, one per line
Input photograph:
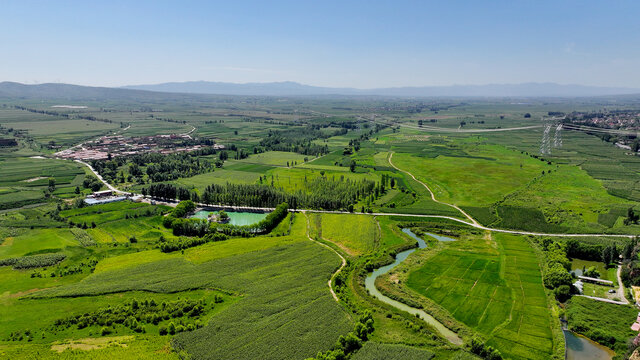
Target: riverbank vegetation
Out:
[483,283]
[607,324]
[244,292]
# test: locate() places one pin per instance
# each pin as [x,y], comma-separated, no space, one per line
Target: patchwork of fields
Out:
[266,295]
[493,286]
[24,180]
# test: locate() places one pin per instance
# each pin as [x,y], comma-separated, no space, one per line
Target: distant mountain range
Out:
[292,88]
[204,89]
[56,91]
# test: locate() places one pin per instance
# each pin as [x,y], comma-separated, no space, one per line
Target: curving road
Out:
[452,130]
[109,186]
[472,222]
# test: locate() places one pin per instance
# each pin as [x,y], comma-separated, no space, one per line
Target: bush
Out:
[592,272]
[486,352]
[185,243]
[562,293]
[556,275]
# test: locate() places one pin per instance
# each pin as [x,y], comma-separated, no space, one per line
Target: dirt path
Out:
[472,222]
[344,261]
[621,286]
[433,197]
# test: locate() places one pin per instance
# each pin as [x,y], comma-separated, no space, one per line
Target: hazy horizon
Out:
[331,44]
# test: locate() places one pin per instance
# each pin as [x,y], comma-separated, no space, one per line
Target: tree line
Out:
[319,193]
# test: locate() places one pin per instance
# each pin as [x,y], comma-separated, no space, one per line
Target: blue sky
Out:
[360,44]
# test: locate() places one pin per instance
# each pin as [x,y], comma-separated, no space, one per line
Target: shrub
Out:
[562,293]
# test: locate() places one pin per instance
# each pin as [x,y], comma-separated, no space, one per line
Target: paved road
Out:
[109,186]
[472,222]
[604,300]
[456,130]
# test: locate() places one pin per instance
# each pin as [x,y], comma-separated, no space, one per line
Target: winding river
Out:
[578,347]
[400,257]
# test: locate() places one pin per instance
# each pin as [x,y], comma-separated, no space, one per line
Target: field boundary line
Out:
[344,261]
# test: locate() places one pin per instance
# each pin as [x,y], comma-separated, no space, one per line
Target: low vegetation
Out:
[33,261]
[608,324]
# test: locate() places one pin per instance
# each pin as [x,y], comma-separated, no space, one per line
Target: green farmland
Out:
[493,285]
[141,279]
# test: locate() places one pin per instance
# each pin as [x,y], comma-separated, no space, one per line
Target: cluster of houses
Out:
[615,120]
[107,196]
[118,145]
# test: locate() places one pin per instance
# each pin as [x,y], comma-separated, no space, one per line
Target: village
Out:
[106,147]
[624,120]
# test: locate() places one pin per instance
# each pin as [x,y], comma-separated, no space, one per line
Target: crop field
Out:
[355,234]
[46,128]
[275,158]
[494,286]
[24,179]
[266,295]
[378,351]
[220,177]
[297,303]
[253,269]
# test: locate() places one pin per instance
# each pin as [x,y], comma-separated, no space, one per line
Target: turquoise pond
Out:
[237,218]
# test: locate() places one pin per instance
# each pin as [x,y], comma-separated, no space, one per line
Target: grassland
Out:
[354,234]
[568,197]
[470,175]
[117,222]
